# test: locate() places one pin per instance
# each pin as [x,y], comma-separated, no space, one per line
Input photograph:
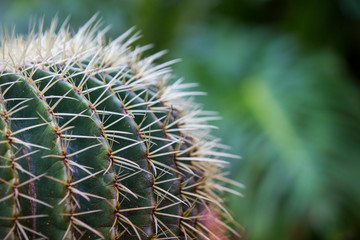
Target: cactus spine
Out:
[98,143]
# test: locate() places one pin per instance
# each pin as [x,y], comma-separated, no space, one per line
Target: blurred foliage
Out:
[285,77]
[294,118]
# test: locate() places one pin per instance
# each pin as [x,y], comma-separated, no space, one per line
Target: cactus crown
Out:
[97,142]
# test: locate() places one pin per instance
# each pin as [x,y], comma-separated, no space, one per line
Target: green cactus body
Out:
[97,143]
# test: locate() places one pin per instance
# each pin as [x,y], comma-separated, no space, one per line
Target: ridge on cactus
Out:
[97,142]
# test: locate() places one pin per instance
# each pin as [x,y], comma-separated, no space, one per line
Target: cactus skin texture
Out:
[99,143]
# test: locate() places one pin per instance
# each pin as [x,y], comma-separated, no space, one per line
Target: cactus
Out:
[99,143]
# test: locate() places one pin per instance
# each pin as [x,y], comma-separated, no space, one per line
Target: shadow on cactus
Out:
[97,142]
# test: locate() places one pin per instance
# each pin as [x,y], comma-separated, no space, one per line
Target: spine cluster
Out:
[99,143]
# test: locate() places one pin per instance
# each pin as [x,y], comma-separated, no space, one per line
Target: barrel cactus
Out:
[100,143]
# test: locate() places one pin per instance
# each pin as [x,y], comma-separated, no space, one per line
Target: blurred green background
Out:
[284,75]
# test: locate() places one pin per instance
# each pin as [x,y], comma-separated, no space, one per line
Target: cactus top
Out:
[97,142]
